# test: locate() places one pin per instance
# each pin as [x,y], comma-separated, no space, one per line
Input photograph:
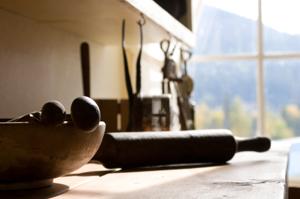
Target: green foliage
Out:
[240,121]
[243,123]
[291,114]
[276,127]
[207,118]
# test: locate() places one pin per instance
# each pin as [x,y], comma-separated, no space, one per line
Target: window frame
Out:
[259,57]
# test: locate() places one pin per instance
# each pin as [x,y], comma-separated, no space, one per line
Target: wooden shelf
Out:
[101,20]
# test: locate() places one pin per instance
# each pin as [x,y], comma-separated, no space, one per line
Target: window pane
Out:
[225,96]
[282,97]
[227,27]
[281,30]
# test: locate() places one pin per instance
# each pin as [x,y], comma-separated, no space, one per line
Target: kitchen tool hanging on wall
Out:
[169,68]
[85,68]
[169,75]
[135,99]
[185,56]
[186,86]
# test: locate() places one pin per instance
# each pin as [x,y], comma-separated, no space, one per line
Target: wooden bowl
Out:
[32,154]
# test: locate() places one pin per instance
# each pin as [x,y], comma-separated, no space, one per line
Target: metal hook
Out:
[144,20]
[172,52]
[185,52]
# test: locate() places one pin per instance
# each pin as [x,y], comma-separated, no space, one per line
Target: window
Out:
[227,95]
[246,67]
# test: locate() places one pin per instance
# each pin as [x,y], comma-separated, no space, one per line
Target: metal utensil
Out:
[128,81]
[185,77]
[169,69]
[135,99]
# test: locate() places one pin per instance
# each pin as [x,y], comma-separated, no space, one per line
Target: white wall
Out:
[39,63]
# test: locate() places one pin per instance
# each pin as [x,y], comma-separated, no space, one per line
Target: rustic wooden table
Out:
[247,175]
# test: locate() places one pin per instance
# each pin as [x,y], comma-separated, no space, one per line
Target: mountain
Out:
[220,33]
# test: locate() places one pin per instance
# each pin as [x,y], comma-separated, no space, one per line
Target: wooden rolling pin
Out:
[137,149]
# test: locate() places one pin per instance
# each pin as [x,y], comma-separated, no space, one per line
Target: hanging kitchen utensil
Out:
[169,73]
[186,117]
[169,69]
[185,56]
[138,98]
[135,99]
[85,68]
[128,81]
[184,88]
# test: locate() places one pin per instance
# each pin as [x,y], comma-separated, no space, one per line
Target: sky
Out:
[282,15]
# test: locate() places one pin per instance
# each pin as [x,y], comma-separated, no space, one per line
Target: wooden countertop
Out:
[247,175]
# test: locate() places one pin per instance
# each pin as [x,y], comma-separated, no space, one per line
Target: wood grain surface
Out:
[247,175]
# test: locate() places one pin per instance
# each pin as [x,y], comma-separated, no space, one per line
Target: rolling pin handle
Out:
[258,144]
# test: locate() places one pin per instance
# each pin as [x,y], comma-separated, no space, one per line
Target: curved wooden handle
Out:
[85,67]
[258,144]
